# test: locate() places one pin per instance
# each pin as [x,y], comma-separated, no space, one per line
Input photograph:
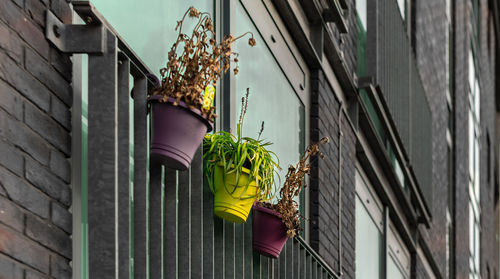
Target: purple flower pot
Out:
[269,232]
[177,132]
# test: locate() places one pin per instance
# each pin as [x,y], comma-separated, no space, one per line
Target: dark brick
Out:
[60,112]
[24,83]
[11,215]
[48,76]
[48,235]
[47,182]
[11,158]
[59,164]
[21,136]
[61,217]
[62,10]
[11,43]
[10,269]
[11,101]
[24,194]
[30,274]
[18,21]
[46,127]
[36,10]
[59,267]
[62,63]
[24,250]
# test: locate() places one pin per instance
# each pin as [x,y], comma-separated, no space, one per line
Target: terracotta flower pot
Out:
[269,233]
[177,132]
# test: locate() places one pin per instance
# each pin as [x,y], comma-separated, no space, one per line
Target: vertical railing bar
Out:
[169,223]
[102,162]
[140,177]
[183,224]
[155,221]
[256,266]
[196,214]
[123,167]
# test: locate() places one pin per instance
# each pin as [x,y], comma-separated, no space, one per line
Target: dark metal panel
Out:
[140,177]
[289,259]
[228,250]
[264,267]
[256,266]
[239,258]
[218,253]
[248,249]
[155,221]
[123,167]
[183,222]
[208,233]
[170,224]
[102,162]
[196,214]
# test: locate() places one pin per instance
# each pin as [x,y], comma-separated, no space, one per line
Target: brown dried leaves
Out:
[286,206]
[197,61]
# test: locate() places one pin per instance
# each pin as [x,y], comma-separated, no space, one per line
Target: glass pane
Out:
[471,145]
[368,245]
[361,11]
[272,98]
[402,8]
[148,26]
[393,271]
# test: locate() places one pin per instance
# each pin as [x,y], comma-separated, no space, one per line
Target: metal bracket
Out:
[76,38]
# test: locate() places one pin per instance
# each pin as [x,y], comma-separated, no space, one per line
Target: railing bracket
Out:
[75,38]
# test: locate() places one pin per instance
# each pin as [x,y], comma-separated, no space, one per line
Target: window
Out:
[369,232]
[474,171]
[372,241]
[402,8]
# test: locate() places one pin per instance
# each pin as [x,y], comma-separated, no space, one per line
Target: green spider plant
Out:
[233,153]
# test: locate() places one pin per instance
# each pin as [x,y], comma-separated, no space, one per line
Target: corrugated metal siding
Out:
[397,75]
[421,131]
[393,68]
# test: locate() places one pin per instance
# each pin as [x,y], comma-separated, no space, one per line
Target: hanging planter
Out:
[233,197]
[183,105]
[274,223]
[177,132]
[239,170]
[268,231]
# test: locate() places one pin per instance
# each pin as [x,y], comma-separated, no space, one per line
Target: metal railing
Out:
[172,231]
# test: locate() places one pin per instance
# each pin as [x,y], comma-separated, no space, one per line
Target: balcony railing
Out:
[161,224]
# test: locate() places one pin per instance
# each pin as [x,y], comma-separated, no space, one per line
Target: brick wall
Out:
[430,50]
[324,179]
[35,125]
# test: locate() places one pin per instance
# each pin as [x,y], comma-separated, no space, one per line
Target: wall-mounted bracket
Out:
[76,38]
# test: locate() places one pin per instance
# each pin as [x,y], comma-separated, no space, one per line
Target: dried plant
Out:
[197,61]
[294,183]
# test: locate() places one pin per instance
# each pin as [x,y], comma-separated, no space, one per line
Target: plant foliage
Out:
[197,61]
[233,153]
[286,206]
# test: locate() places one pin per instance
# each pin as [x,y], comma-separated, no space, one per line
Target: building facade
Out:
[406,91]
